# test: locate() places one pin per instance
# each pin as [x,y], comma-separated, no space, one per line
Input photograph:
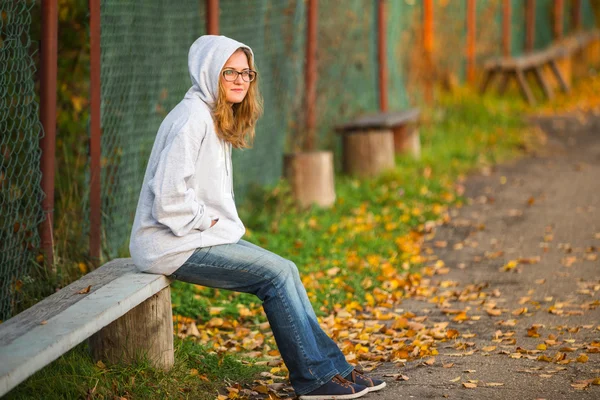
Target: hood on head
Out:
[206,58]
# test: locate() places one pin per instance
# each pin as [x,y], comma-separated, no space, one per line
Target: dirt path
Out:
[545,206]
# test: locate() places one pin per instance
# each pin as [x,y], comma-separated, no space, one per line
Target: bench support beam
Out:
[145,331]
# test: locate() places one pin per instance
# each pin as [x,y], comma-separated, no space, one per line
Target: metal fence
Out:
[20,132]
[144,74]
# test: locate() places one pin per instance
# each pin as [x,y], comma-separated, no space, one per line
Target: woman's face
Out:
[236,91]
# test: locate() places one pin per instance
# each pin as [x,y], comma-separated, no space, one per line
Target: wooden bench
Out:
[371,142]
[518,67]
[535,63]
[124,313]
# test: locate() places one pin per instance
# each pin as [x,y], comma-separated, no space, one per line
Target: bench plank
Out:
[27,345]
[382,120]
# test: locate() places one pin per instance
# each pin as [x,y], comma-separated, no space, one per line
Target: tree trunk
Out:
[311,177]
[368,153]
[145,331]
[407,141]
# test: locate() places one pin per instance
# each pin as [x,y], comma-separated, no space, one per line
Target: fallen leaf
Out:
[469,385]
[85,290]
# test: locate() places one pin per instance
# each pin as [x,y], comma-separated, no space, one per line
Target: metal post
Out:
[558,19]
[95,131]
[529,25]
[576,15]
[471,15]
[310,72]
[382,54]
[428,47]
[48,71]
[212,17]
[506,25]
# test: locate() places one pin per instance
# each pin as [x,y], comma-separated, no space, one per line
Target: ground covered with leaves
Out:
[421,276]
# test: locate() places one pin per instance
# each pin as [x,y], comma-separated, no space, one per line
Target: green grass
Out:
[75,376]
[366,231]
[463,133]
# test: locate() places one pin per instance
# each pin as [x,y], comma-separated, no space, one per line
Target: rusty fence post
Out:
[310,74]
[471,16]
[558,19]
[49,48]
[506,25]
[576,15]
[382,54]
[212,17]
[95,133]
[428,47]
[529,25]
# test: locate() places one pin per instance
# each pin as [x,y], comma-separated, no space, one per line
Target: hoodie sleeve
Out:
[175,203]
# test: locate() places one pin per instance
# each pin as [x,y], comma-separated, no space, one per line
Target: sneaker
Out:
[358,377]
[337,388]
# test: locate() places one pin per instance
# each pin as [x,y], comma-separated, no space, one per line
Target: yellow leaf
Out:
[82,267]
[215,310]
[510,265]
[215,322]
[541,346]
[469,385]
[455,379]
[261,389]
[193,372]
[582,358]
[489,348]
[100,364]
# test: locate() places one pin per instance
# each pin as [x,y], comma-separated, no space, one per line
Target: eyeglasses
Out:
[230,75]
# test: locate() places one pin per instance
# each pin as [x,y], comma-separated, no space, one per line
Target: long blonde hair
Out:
[235,123]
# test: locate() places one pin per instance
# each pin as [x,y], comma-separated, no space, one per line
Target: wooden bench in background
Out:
[371,142]
[537,63]
[124,313]
[518,67]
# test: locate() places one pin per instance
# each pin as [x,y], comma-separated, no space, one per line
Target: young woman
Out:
[187,226]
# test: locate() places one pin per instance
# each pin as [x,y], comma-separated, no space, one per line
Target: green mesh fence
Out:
[347,65]
[144,74]
[274,29]
[20,129]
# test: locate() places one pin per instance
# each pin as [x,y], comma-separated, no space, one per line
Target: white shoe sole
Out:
[378,387]
[335,397]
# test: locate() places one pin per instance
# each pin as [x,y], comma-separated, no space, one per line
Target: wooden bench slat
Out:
[63,299]
[23,354]
[382,120]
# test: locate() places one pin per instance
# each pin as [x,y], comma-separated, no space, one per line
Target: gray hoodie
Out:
[188,180]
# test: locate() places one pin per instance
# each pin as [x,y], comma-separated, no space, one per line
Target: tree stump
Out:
[407,140]
[145,331]
[368,153]
[311,177]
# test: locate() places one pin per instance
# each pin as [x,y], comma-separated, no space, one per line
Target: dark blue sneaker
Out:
[360,378]
[337,388]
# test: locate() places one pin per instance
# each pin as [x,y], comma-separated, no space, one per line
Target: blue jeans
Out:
[311,357]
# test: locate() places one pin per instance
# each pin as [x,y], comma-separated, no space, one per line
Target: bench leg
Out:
[145,331]
[559,77]
[524,87]
[504,82]
[539,76]
[489,75]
